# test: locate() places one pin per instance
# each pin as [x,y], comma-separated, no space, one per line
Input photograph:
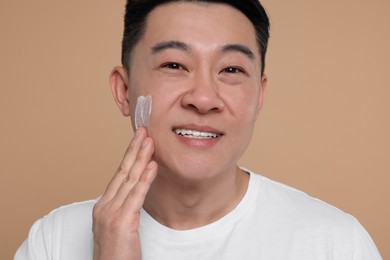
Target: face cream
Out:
[142,111]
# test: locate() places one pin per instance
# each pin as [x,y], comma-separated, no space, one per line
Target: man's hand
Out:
[116,215]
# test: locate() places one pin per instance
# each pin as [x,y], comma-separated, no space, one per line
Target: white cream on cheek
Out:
[143,110]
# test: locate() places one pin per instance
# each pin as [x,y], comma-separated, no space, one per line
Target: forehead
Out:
[200,24]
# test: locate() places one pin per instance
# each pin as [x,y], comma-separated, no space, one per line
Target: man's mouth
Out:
[196,134]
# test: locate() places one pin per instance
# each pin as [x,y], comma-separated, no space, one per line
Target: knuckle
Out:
[131,179]
[113,222]
[98,212]
[143,178]
[96,209]
[120,171]
[106,218]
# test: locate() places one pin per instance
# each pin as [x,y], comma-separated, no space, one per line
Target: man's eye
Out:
[172,65]
[233,70]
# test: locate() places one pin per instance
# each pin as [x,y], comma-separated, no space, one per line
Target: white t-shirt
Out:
[272,221]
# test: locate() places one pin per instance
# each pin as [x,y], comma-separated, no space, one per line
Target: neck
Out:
[186,204]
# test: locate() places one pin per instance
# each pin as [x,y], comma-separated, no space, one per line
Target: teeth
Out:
[195,134]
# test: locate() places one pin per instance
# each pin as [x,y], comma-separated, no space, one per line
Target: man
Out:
[178,193]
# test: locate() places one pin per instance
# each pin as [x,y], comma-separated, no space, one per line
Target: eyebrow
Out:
[161,46]
[239,48]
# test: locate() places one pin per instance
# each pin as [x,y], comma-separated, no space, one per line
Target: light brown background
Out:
[324,129]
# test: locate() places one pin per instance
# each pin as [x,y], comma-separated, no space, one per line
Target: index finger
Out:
[126,164]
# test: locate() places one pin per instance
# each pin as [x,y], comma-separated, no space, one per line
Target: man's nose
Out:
[204,95]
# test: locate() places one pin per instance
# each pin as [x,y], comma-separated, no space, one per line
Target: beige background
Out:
[324,129]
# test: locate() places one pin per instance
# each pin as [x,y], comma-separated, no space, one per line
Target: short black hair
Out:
[137,11]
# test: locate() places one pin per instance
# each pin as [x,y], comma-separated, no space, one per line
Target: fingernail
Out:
[150,165]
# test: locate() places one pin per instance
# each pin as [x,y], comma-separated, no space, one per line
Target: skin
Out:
[201,65]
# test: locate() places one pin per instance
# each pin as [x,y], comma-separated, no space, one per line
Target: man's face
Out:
[201,65]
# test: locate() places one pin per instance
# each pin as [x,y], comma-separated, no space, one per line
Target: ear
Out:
[263,88]
[119,87]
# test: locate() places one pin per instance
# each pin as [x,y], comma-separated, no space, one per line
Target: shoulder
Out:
[73,219]
[290,210]
[71,215]
[65,230]
[293,203]
[291,213]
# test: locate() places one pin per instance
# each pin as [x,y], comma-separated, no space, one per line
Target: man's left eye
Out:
[233,70]
[173,65]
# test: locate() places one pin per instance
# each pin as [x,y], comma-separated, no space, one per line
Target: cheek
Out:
[243,105]
[162,104]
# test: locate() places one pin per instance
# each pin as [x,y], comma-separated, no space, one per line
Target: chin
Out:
[193,171]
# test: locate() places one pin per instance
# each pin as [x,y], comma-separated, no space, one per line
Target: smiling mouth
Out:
[196,134]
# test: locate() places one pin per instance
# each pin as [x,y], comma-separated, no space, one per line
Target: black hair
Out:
[137,11]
